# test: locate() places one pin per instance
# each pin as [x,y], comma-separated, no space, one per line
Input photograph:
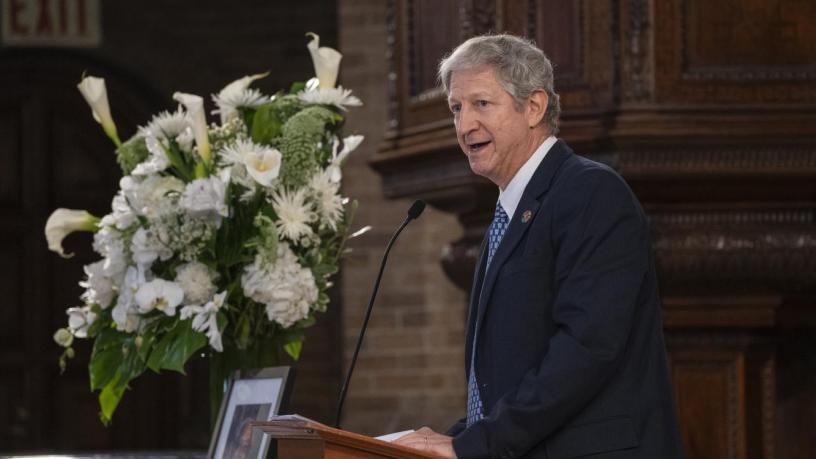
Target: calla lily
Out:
[326,61]
[195,110]
[233,93]
[94,92]
[63,222]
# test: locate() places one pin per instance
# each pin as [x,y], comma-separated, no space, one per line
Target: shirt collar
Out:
[510,196]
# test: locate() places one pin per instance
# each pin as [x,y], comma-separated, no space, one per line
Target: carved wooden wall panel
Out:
[708,110]
[734,51]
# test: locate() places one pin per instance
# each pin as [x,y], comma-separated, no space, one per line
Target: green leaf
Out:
[109,398]
[176,158]
[296,87]
[293,348]
[265,124]
[106,357]
[176,347]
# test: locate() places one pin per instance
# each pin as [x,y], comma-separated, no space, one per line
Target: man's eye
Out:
[482,103]
[455,108]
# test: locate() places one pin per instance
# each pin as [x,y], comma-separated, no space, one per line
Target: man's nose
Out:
[468,120]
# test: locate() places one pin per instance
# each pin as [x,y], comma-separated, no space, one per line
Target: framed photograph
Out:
[252,395]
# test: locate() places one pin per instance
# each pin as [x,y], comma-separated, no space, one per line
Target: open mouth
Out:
[474,147]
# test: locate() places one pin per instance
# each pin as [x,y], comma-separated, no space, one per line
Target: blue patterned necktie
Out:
[495,235]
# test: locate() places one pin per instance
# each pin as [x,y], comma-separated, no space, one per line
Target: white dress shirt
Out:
[510,196]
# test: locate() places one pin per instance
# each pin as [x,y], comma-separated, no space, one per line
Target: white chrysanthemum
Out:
[146,247]
[338,97]
[79,320]
[125,314]
[99,288]
[328,198]
[238,95]
[294,214]
[286,288]
[160,295]
[205,197]
[262,163]
[166,125]
[229,103]
[196,279]
[205,319]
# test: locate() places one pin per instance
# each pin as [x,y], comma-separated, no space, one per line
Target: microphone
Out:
[413,213]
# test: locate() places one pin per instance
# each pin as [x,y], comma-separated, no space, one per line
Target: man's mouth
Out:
[477,146]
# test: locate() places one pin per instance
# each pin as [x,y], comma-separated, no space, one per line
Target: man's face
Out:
[496,138]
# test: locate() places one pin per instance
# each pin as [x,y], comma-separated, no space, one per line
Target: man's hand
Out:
[428,441]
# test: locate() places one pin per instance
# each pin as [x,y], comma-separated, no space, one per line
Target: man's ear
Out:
[536,107]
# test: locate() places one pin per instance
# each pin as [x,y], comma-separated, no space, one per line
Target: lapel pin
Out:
[526,216]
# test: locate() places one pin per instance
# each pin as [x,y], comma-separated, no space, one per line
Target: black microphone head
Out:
[416,209]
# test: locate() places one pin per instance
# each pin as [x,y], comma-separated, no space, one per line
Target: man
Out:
[564,351]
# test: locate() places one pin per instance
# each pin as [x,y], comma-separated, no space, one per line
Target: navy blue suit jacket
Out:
[570,356]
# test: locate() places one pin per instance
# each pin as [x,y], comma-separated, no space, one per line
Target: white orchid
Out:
[326,61]
[63,222]
[79,319]
[160,295]
[195,111]
[125,313]
[238,95]
[94,91]
[350,144]
[205,319]
[262,163]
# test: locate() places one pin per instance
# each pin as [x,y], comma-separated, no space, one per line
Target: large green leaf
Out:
[176,347]
[106,357]
[266,125]
[109,398]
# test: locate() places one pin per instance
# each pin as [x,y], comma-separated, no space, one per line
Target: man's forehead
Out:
[470,83]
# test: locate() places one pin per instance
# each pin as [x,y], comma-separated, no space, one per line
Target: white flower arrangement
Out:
[220,236]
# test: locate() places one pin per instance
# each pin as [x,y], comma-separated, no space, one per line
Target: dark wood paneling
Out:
[731,51]
[10,162]
[430,36]
[560,34]
[11,318]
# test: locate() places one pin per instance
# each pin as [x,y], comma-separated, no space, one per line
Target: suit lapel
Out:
[530,201]
[475,293]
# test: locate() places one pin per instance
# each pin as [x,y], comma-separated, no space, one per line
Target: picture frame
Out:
[251,395]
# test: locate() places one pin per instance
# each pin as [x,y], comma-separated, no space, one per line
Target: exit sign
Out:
[72,23]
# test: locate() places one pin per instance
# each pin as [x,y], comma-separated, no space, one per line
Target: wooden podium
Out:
[301,438]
